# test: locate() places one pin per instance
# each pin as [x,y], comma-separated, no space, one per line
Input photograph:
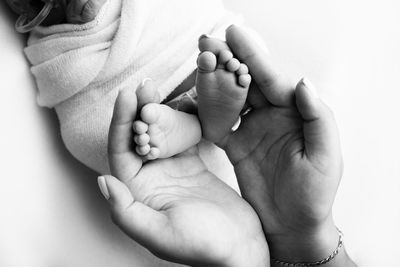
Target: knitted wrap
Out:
[79,69]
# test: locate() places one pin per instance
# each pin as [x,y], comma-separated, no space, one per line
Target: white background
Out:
[51,213]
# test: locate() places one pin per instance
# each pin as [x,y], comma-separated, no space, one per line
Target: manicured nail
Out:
[204,36]
[101,180]
[237,125]
[231,26]
[145,81]
[313,91]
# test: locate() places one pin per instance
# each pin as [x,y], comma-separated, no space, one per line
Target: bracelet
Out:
[317,263]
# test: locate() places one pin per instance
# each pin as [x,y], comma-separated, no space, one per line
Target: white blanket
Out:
[79,69]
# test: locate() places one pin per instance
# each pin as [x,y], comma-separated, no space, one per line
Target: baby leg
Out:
[163,132]
[222,86]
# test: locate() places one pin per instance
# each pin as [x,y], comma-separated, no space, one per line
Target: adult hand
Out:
[287,158]
[175,207]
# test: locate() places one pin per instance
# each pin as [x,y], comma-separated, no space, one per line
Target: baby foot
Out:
[83,11]
[163,132]
[222,85]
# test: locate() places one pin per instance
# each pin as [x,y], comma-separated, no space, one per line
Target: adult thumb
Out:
[321,138]
[142,223]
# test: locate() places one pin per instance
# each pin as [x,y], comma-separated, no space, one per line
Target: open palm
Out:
[282,180]
[286,152]
[179,210]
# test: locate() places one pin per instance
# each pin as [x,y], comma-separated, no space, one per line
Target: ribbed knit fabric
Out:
[79,69]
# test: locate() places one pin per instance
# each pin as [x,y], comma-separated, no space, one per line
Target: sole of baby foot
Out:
[164,132]
[222,87]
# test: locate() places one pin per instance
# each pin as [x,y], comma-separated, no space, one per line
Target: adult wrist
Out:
[248,253]
[305,245]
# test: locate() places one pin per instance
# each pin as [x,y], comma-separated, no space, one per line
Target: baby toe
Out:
[142,139]
[244,80]
[139,127]
[207,61]
[243,69]
[224,57]
[233,65]
[153,154]
[150,113]
[143,150]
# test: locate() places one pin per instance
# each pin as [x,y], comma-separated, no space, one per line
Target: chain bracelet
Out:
[317,263]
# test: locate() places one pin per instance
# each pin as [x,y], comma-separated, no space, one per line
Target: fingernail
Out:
[237,125]
[204,36]
[231,26]
[101,180]
[145,81]
[307,83]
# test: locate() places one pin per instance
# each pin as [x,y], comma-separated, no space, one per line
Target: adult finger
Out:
[140,222]
[320,130]
[147,93]
[271,83]
[124,163]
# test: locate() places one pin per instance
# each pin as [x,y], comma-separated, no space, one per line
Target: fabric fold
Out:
[79,69]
